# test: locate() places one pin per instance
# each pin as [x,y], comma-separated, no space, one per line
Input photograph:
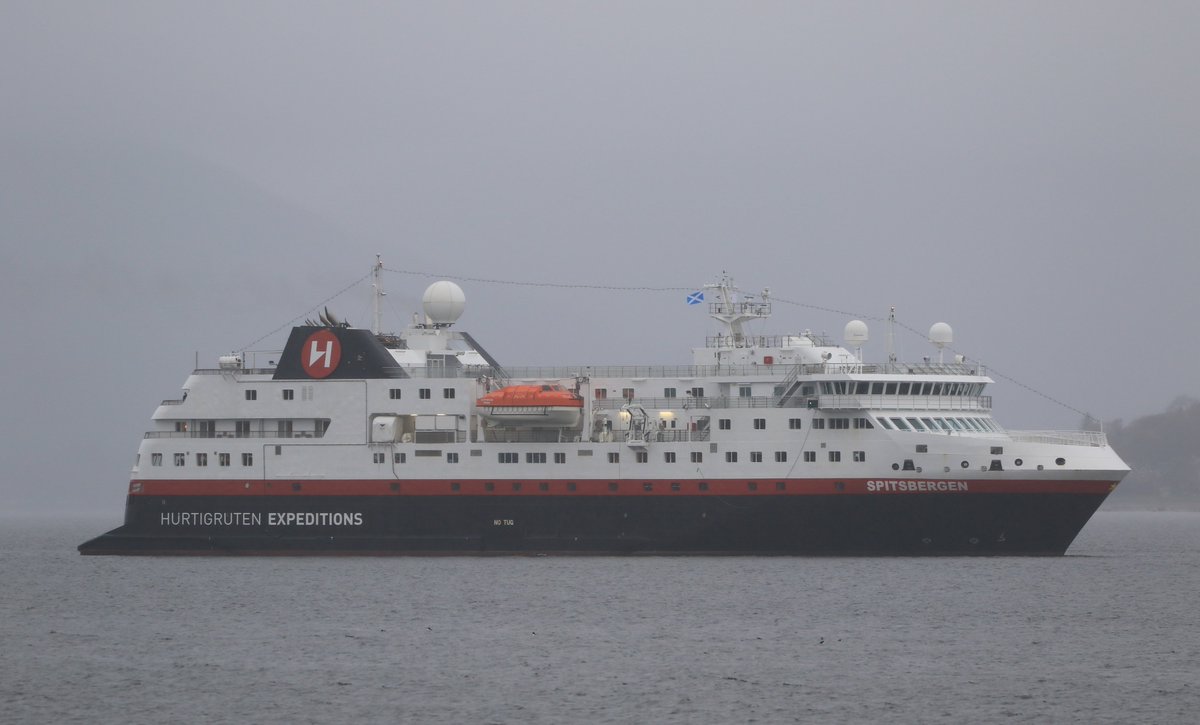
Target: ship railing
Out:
[975,403]
[1061,437]
[519,375]
[232,434]
[687,403]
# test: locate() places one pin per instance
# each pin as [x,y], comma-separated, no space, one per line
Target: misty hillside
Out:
[1164,452]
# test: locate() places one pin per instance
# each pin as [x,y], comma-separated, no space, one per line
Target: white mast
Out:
[730,312]
[377,294]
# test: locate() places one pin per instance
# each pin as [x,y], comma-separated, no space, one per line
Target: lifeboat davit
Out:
[542,406]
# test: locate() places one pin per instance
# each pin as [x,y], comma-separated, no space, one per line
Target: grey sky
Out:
[182,178]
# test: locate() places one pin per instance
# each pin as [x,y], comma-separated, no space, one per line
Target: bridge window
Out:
[876,388]
[884,422]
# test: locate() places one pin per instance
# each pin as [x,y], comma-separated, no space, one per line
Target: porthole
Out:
[895,466]
[1018,462]
[966,464]
[927,540]
[973,540]
[1060,461]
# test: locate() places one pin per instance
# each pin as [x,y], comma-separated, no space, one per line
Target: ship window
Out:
[448,393]
[839,423]
[585,451]
[922,448]
[454,486]
[251,395]
[953,424]
[743,391]
[451,458]
[860,456]
[601,393]
[724,423]
[181,426]
[560,457]
[756,456]
[155,459]
[247,459]
[668,392]
[781,456]
[612,486]
[399,457]
[997,450]
[760,424]
[675,485]
[489,486]
[810,456]
[916,424]
[379,457]
[793,424]
[903,388]
[835,456]
[289,394]
[508,457]
[703,485]
[780,486]
[697,457]
[1060,461]
[712,447]
[284,428]
[877,388]
[394,393]
[929,424]
[863,423]
[627,393]
[179,459]
[731,456]
[890,388]
[642,457]
[223,459]
[543,486]
[862,388]
[669,457]
[752,486]
[900,424]
[535,457]
[937,389]
[201,459]
[241,428]
[884,422]
[818,423]
[424,394]
[697,392]
[614,457]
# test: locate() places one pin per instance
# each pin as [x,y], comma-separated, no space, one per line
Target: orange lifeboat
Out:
[549,406]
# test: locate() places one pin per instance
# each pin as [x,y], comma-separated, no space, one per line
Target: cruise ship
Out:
[359,442]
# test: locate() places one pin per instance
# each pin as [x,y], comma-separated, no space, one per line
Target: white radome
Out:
[443,302]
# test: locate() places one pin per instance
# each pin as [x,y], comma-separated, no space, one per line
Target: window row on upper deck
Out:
[895,387]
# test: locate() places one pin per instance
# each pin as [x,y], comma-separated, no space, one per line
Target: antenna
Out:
[891,337]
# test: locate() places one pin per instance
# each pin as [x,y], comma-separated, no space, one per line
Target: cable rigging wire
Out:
[649,288]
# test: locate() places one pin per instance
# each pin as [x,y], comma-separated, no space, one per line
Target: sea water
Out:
[1108,633]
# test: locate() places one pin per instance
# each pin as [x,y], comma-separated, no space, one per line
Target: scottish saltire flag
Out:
[695,298]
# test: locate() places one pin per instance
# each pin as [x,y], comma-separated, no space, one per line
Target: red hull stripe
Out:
[626,487]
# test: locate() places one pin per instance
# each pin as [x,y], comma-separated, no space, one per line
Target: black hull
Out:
[1041,524]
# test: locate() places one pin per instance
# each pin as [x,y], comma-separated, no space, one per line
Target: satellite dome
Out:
[855,333]
[941,334]
[443,302]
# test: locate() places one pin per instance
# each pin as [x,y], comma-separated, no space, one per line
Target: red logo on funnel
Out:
[320,354]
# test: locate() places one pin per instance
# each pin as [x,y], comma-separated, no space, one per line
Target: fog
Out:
[182,180]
